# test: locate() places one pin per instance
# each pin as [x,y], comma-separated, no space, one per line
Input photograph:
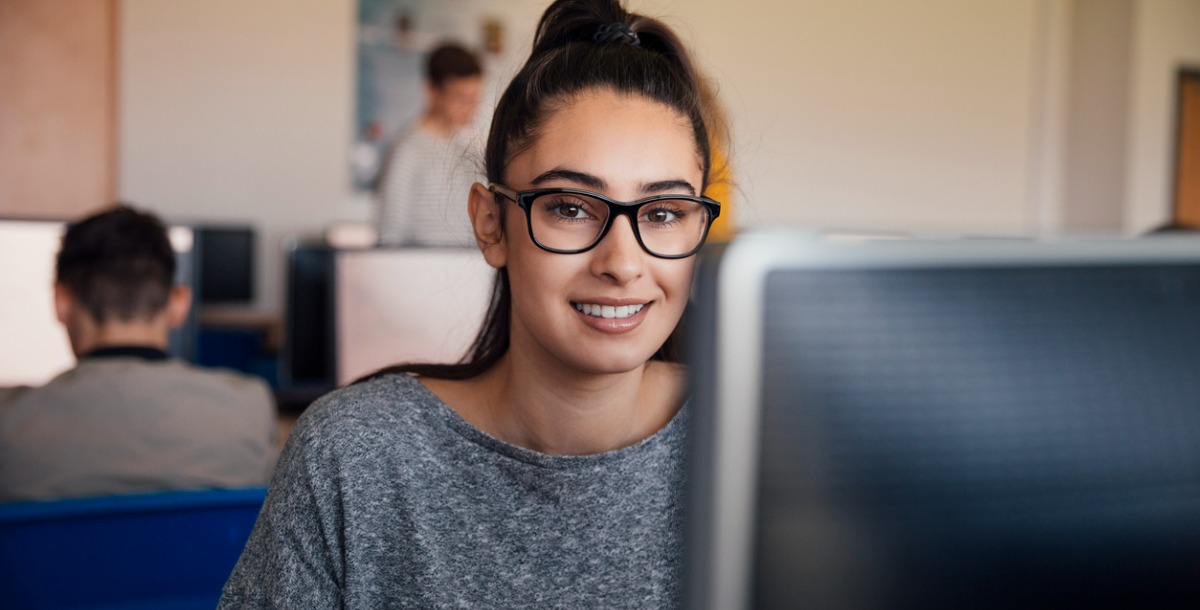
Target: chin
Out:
[622,361]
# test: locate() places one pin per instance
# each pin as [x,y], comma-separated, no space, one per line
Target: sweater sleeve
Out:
[293,558]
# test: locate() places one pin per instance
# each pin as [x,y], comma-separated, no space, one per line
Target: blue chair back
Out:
[171,550]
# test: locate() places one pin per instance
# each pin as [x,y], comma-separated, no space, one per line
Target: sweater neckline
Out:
[666,435]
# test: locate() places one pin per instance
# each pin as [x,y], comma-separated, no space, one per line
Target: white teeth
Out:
[608,311]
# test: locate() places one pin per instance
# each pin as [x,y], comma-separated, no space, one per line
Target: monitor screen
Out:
[33,345]
[946,425]
[397,305]
[226,264]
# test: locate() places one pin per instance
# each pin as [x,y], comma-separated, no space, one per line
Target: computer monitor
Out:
[397,305]
[307,359]
[956,424]
[33,345]
[226,264]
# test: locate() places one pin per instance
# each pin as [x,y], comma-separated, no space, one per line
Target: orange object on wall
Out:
[1187,153]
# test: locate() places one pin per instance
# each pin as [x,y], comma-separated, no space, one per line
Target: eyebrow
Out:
[558,173]
[663,186]
[596,183]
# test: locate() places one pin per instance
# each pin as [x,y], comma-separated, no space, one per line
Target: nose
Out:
[618,256]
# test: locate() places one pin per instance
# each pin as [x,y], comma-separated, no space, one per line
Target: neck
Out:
[116,333]
[571,413]
[438,125]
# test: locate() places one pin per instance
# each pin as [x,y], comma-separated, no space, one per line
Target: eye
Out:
[569,210]
[663,213]
[566,208]
[660,215]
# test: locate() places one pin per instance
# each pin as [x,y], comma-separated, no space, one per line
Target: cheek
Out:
[676,278]
[538,276]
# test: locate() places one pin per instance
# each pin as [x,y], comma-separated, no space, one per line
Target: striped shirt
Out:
[422,194]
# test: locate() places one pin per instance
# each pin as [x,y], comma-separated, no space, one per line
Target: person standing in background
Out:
[128,418]
[429,170]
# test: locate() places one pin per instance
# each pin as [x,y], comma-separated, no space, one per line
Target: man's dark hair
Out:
[449,61]
[118,263]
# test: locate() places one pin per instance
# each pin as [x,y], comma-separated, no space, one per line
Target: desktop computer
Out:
[352,311]
[945,424]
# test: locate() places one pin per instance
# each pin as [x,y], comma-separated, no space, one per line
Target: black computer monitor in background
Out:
[226,264]
[948,424]
[307,360]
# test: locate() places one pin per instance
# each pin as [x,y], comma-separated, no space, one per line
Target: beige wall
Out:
[237,111]
[867,114]
[1096,122]
[922,115]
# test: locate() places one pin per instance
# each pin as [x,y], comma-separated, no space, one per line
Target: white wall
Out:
[854,114]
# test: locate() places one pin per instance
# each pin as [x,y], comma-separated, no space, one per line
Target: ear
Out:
[431,94]
[64,303]
[484,208]
[75,318]
[178,305]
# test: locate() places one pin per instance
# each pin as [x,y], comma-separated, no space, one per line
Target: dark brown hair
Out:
[449,61]
[117,264]
[568,58]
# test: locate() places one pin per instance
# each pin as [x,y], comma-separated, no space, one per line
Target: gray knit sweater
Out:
[385,498]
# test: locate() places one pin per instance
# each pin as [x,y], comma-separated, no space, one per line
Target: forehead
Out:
[622,139]
[461,84]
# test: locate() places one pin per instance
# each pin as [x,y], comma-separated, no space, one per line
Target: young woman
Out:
[546,470]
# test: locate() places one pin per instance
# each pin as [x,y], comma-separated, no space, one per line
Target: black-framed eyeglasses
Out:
[570,221]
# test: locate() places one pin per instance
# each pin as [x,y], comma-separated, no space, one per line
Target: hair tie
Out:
[616,32]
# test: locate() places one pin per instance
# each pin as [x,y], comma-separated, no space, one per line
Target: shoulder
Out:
[414,138]
[386,395]
[381,410]
[175,381]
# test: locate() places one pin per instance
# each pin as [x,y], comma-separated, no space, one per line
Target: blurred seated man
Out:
[128,418]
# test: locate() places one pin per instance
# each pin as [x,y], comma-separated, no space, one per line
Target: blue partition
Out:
[170,550]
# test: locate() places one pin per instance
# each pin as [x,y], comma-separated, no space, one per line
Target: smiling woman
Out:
[546,469]
[627,147]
